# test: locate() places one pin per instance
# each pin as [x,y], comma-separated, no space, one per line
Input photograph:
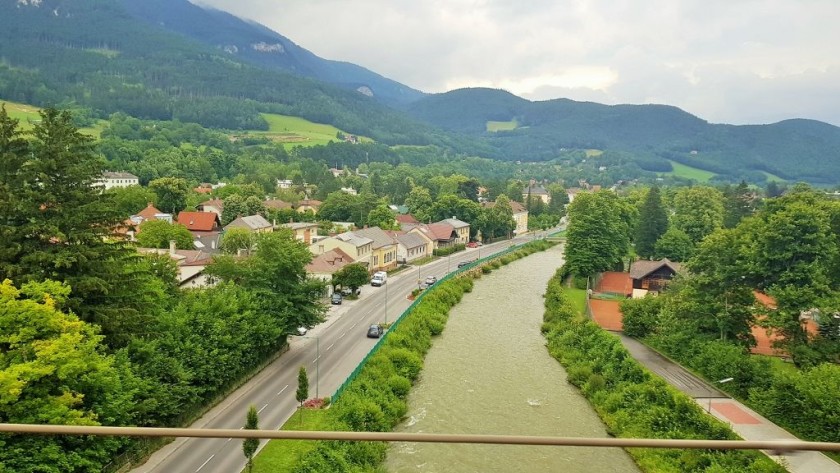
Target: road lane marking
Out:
[342,335]
[206,462]
[316,359]
[328,348]
[261,408]
[284,388]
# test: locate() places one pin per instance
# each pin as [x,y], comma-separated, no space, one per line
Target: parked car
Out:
[346,291]
[379,278]
[473,244]
[463,263]
[336,298]
[375,331]
[430,280]
[302,330]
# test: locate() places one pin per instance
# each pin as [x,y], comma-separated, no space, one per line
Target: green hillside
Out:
[296,131]
[688,172]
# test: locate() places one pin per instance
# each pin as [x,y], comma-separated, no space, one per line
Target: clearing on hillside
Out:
[493,127]
[28,116]
[295,131]
[688,172]
[593,153]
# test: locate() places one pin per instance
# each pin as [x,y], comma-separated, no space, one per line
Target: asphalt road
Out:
[330,352]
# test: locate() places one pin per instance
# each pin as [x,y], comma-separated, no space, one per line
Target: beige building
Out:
[254,223]
[109,180]
[462,230]
[383,255]
[304,231]
[325,265]
[357,247]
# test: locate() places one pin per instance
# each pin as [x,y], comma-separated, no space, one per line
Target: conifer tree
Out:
[250,445]
[653,223]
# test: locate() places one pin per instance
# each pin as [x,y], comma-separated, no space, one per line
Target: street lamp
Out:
[386,303]
[317,361]
[720,381]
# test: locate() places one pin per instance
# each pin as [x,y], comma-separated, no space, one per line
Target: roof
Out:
[353,239]
[438,231]
[118,175]
[514,205]
[276,204]
[406,218]
[535,190]
[455,223]
[198,221]
[309,203]
[329,261]
[299,225]
[379,237]
[410,240]
[642,268]
[149,212]
[218,203]
[251,222]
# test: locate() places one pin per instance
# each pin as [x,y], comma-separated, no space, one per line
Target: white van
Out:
[378,278]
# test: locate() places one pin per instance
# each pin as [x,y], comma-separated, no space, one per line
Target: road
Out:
[330,352]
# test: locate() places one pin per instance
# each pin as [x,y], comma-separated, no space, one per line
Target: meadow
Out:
[688,172]
[493,127]
[296,131]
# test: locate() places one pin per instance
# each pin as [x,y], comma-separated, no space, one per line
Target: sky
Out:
[726,61]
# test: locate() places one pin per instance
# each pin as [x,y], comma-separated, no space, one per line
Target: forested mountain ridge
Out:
[93,54]
[798,149]
[258,45]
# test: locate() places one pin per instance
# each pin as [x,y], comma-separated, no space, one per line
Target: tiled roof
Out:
[439,231]
[329,262]
[535,190]
[276,204]
[353,239]
[410,240]
[149,212]
[310,203]
[198,221]
[642,268]
[406,218]
[455,223]
[379,237]
[118,175]
[514,205]
[299,225]
[251,222]
[217,203]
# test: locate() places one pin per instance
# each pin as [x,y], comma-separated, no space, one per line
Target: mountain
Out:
[258,45]
[804,150]
[97,55]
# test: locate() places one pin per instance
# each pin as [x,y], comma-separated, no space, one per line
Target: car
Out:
[375,331]
[430,280]
[464,263]
[302,331]
[473,244]
[347,291]
[379,278]
[336,298]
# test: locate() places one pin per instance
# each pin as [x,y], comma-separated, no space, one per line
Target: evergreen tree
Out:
[653,223]
[302,393]
[249,446]
[738,204]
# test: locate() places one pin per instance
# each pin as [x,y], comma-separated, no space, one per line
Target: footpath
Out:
[744,421]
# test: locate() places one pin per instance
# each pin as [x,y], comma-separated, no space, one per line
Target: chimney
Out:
[171,247]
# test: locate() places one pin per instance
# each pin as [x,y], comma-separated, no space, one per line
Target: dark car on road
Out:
[336,298]
[375,331]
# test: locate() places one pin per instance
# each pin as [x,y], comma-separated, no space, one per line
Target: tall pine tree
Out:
[653,223]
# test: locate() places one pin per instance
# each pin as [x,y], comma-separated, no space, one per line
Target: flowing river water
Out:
[490,373]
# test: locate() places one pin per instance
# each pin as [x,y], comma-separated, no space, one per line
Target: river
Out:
[490,373]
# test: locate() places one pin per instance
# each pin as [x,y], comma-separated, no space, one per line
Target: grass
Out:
[502,126]
[772,177]
[296,131]
[688,172]
[284,455]
[28,116]
[593,153]
[578,299]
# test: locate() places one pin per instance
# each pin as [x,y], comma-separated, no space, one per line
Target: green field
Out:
[688,172]
[296,131]
[27,116]
[593,153]
[502,126]
[283,455]
[772,177]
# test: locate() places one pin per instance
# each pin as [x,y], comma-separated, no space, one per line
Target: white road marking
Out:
[354,325]
[316,359]
[330,346]
[206,462]
[284,388]
[261,408]
[342,335]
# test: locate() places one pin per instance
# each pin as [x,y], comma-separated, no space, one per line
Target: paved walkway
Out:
[743,420]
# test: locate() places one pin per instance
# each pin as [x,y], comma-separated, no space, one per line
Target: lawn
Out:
[578,299]
[772,177]
[593,153]
[28,116]
[282,455]
[493,127]
[295,131]
[688,172]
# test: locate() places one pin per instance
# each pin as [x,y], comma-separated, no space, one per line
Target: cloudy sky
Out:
[727,61]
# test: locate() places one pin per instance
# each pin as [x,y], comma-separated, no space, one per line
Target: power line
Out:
[776,446]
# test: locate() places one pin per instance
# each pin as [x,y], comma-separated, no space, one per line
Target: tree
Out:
[250,445]
[353,275]
[238,239]
[598,235]
[53,371]
[674,245]
[382,217]
[653,222]
[338,207]
[419,203]
[158,234]
[132,199]
[302,393]
[171,193]
[698,211]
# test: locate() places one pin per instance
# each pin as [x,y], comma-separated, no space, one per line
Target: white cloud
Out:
[728,61]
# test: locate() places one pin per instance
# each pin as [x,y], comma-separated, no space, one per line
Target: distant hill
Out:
[804,150]
[258,45]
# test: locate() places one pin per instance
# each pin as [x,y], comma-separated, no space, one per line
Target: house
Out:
[325,265]
[383,256]
[284,183]
[349,190]
[109,180]
[200,221]
[652,276]
[130,227]
[359,248]
[411,246]
[767,339]
[406,219]
[462,230]
[309,204]
[253,223]
[442,235]
[216,206]
[277,204]
[204,188]
[536,191]
[190,265]
[306,232]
